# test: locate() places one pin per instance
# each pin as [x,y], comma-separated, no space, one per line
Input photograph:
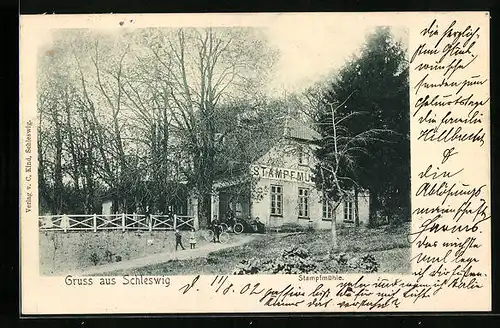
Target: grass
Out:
[389,247]
[66,252]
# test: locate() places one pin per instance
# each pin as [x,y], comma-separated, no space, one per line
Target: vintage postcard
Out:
[244,163]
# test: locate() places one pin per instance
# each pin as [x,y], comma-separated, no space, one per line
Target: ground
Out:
[390,248]
[74,253]
[70,252]
[158,258]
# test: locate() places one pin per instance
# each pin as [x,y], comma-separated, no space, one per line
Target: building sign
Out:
[269,172]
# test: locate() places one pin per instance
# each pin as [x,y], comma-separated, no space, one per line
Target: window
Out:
[303,203]
[303,157]
[239,210]
[276,200]
[348,212]
[327,209]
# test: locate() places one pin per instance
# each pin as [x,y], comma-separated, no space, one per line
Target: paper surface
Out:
[450,259]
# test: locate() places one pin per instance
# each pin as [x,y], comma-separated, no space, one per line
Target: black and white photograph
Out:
[223,150]
[276,163]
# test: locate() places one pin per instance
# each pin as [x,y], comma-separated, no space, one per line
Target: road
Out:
[165,257]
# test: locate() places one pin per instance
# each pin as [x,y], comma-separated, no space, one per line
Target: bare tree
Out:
[203,68]
[337,157]
[54,98]
[136,114]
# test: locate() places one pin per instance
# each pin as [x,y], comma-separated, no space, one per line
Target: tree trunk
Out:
[356,207]
[58,183]
[374,206]
[204,210]
[334,244]
[46,197]
[76,162]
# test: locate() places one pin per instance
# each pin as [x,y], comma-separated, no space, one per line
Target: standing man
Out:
[216,229]
[230,219]
[178,239]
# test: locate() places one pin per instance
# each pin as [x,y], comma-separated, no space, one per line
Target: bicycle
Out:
[210,234]
[237,228]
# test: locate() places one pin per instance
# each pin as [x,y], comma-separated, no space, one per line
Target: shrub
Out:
[291,227]
[364,264]
[293,260]
[94,258]
[108,256]
[297,260]
[368,263]
[340,258]
[310,227]
[251,266]
[295,251]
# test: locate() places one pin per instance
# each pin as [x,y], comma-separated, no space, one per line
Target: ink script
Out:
[450,112]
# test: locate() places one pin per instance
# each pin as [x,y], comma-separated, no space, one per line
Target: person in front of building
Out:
[192,238]
[178,239]
[216,229]
[230,219]
[259,225]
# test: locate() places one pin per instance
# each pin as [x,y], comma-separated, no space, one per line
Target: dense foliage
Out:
[368,103]
[297,260]
[144,116]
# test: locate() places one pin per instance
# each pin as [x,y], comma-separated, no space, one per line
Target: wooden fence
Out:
[115,222]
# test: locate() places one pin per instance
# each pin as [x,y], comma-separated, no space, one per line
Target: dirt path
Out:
[165,257]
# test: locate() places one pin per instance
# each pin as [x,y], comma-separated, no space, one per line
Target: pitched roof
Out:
[302,131]
[288,128]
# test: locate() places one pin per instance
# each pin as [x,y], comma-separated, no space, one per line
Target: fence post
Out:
[150,222]
[175,221]
[123,221]
[196,222]
[95,222]
[65,225]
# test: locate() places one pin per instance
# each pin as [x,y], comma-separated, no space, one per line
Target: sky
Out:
[310,53]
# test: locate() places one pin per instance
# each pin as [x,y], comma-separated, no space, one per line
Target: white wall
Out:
[106,207]
[364,208]
[285,155]
[262,207]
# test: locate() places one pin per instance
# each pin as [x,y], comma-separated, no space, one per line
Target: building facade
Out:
[279,188]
